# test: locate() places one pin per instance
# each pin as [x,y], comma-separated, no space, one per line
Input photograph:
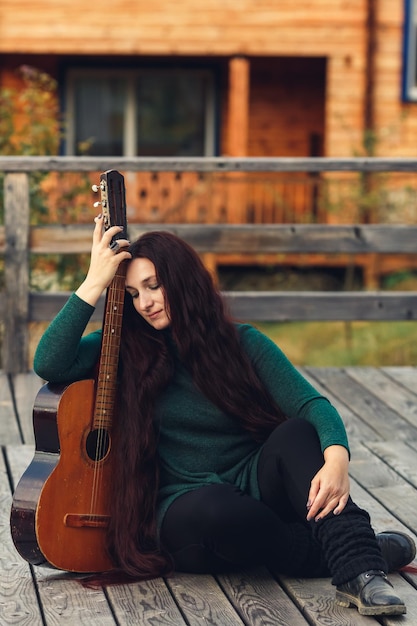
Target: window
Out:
[140,113]
[410,51]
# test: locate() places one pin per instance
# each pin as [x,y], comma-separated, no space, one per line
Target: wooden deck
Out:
[379,407]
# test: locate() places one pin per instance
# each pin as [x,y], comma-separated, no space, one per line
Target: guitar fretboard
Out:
[109,358]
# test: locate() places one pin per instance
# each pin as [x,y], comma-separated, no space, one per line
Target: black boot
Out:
[398,549]
[371,593]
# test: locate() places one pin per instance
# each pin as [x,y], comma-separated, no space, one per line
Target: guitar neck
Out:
[113,202]
[109,357]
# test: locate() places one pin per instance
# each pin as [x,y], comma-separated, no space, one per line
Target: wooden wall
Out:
[225,27]
[331,30]
[287,106]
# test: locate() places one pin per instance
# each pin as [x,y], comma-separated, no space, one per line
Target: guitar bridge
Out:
[78,520]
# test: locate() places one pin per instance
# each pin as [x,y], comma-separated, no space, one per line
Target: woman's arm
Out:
[103,262]
[63,354]
[295,396]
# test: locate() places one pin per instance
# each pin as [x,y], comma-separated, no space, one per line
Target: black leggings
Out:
[218,527]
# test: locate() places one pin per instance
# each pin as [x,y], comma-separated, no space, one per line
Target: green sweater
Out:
[199,444]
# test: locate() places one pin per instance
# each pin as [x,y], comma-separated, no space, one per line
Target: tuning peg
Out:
[96,204]
[99,187]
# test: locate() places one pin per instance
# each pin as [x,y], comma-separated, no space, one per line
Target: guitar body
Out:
[59,514]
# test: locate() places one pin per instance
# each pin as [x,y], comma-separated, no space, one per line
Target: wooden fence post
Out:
[16,318]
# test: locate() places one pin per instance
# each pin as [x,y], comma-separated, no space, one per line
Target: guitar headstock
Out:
[113,201]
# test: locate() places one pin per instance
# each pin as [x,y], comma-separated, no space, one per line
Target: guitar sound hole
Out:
[97,444]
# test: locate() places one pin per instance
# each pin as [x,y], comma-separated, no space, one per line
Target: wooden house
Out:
[252,78]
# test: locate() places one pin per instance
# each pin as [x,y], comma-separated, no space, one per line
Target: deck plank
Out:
[26,387]
[9,430]
[385,485]
[379,409]
[149,602]
[399,456]
[385,388]
[370,408]
[259,599]
[404,375]
[63,599]
[408,594]
[201,600]
[18,601]
[369,470]
[382,518]
[356,427]
[401,499]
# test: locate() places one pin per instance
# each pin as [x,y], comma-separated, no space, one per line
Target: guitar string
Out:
[107,372]
[103,376]
[106,402]
[98,407]
[98,412]
[114,308]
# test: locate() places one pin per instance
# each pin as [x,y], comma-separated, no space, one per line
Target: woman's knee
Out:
[294,430]
[292,439]
[290,458]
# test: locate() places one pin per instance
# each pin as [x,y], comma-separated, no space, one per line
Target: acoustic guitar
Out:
[60,509]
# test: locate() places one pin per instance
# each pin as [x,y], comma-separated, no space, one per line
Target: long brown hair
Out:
[207,342]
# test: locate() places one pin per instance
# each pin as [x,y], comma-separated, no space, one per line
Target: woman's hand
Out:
[103,262]
[329,489]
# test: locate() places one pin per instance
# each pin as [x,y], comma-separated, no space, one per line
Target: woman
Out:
[228,457]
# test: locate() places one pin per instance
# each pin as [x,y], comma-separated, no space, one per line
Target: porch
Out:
[379,410]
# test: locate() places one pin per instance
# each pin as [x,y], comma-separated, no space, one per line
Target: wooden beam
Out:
[291,238]
[208,164]
[249,239]
[279,306]
[322,306]
[238,107]
[16,305]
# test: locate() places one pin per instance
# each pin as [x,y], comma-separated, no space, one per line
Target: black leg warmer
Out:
[349,544]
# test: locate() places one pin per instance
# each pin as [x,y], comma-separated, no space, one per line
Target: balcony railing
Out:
[236,235]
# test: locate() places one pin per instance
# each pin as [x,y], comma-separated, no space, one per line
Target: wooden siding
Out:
[265,30]
[185,27]
[287,107]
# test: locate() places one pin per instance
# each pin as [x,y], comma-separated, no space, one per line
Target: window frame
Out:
[129,131]
[409,78]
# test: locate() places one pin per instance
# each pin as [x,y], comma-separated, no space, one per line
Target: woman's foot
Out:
[371,593]
[398,549]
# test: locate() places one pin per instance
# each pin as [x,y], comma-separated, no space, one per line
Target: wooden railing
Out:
[19,306]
